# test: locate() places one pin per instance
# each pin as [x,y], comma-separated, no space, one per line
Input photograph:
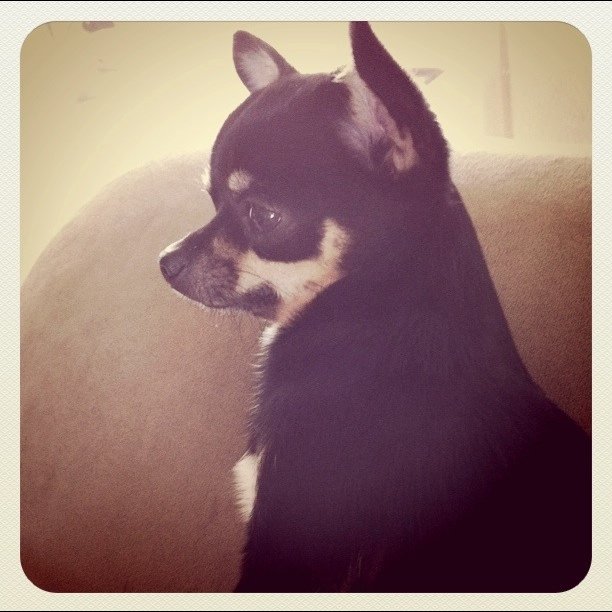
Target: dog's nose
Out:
[171,264]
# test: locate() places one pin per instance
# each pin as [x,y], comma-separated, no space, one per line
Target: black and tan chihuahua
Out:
[399,443]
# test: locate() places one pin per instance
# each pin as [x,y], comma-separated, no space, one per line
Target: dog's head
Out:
[309,176]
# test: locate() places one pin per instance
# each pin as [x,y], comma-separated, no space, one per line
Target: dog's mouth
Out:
[261,301]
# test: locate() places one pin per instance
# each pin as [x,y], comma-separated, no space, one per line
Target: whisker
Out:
[242,271]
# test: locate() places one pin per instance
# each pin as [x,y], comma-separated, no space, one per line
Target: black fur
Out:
[406,447]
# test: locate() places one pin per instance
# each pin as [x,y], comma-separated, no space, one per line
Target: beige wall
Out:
[97,104]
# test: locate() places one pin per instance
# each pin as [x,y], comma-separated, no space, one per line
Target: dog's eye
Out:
[263,219]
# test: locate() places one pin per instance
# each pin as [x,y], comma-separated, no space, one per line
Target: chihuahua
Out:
[399,443]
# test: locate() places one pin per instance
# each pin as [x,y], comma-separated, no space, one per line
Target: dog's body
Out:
[399,444]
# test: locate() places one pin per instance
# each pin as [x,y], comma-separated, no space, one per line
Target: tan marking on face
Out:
[372,122]
[239,180]
[296,283]
[223,249]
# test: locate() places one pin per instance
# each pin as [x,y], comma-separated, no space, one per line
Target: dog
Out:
[399,443]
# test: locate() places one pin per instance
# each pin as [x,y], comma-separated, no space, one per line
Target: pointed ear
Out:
[256,62]
[372,133]
[389,110]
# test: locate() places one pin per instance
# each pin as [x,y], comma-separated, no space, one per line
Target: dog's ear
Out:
[257,63]
[391,121]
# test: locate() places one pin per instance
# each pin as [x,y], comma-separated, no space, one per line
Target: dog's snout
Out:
[171,264]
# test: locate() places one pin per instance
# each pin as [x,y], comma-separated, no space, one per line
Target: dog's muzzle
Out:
[172,260]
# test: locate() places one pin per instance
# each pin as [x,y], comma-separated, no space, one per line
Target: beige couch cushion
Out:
[134,401]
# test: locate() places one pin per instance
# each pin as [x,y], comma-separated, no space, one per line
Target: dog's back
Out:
[399,443]
[401,453]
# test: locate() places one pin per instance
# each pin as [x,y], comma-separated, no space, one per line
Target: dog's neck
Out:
[435,300]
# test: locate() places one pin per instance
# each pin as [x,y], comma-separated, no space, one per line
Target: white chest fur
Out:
[246,472]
